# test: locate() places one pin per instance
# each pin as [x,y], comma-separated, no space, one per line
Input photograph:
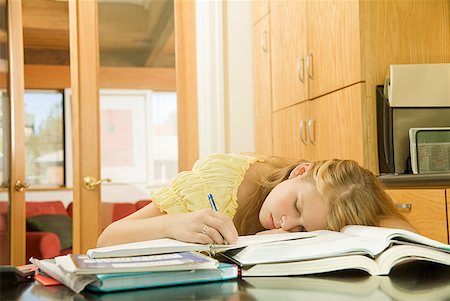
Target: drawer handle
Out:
[404,206]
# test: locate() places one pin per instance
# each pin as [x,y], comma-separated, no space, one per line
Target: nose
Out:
[290,224]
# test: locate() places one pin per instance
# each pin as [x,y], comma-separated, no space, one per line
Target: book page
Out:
[388,235]
[323,244]
[249,240]
[148,247]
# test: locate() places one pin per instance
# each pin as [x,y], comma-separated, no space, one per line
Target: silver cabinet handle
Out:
[301,69]
[303,139]
[404,206]
[309,66]
[263,39]
[312,133]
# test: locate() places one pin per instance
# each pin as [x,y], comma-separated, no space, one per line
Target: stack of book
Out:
[167,262]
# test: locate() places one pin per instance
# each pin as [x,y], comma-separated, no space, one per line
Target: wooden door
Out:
[289,132]
[333,45]
[16,144]
[86,126]
[288,52]
[261,87]
[336,126]
[84,63]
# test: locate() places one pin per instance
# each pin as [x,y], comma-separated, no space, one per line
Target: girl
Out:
[254,194]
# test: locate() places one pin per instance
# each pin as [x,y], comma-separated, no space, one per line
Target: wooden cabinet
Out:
[288,53]
[333,32]
[260,9]
[318,48]
[326,127]
[261,86]
[425,209]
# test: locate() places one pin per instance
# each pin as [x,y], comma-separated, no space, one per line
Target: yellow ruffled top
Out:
[218,174]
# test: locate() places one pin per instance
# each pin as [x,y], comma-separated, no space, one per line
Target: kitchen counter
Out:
[411,180]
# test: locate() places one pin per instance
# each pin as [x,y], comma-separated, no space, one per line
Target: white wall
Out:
[239,124]
[224,66]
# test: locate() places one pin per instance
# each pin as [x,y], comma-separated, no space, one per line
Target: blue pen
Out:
[211,201]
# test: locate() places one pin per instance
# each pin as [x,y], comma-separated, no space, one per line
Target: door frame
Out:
[17,147]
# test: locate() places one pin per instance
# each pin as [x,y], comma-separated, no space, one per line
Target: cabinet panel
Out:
[337,128]
[334,43]
[427,213]
[260,9]
[287,134]
[288,41]
[261,87]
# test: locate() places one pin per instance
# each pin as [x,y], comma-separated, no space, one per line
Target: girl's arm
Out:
[150,223]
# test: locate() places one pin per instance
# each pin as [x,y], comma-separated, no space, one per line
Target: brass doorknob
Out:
[21,186]
[90,182]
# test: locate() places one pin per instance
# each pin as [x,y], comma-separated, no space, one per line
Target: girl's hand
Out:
[204,226]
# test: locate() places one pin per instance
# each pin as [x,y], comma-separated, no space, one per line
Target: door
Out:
[288,52]
[290,135]
[13,181]
[333,45]
[336,125]
[91,57]
[262,87]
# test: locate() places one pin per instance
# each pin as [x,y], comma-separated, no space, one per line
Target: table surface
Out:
[411,281]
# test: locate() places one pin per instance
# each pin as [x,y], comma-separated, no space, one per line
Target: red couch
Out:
[47,244]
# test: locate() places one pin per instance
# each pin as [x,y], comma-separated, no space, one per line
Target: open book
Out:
[373,249]
[408,283]
[167,245]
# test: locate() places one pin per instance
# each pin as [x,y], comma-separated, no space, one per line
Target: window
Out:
[44,138]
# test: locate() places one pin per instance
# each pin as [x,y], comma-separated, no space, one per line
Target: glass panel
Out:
[136,33]
[138,127]
[47,125]
[5,138]
[44,138]
[164,138]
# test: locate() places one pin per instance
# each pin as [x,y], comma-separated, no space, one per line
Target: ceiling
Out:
[132,33]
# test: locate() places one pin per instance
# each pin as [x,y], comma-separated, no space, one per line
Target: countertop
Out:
[419,180]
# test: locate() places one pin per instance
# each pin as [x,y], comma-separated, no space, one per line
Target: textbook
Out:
[407,284]
[82,264]
[167,245]
[126,281]
[372,249]
[217,290]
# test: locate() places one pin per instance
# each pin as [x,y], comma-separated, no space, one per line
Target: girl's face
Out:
[294,205]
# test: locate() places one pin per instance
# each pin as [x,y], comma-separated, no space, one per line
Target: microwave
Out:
[393,126]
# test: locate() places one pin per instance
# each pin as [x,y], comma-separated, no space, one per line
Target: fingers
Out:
[222,229]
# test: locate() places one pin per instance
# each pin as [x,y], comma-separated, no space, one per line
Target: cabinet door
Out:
[336,126]
[426,210]
[261,87]
[334,44]
[288,51]
[289,132]
[260,9]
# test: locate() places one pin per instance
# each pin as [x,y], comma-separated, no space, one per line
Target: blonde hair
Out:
[353,194]
[246,218]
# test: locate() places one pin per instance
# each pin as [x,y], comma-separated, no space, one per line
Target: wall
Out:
[239,123]
[225,92]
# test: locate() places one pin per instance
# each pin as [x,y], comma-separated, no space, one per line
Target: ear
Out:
[300,169]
